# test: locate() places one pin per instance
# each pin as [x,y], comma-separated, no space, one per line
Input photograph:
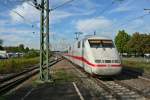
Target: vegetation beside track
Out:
[143,65]
[62,76]
[132,45]
[16,64]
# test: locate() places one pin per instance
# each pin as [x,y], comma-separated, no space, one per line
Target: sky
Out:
[106,17]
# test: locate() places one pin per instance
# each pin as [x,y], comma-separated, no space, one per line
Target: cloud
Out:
[93,24]
[120,9]
[136,25]
[30,13]
[57,16]
[3,22]
[14,36]
[88,4]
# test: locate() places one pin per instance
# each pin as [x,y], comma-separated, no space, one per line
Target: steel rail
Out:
[117,90]
[133,89]
[13,81]
[20,73]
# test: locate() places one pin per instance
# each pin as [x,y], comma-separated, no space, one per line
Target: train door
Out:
[82,52]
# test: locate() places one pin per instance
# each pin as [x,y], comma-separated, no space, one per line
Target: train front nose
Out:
[107,69]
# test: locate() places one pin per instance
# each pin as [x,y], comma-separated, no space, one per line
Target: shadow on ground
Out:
[126,74]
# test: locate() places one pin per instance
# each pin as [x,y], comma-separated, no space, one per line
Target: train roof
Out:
[96,37]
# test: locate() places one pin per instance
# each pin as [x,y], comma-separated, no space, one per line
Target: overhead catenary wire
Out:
[103,11]
[109,6]
[20,15]
[52,9]
[36,6]
[133,19]
[31,4]
[106,8]
[65,3]
[19,1]
[25,20]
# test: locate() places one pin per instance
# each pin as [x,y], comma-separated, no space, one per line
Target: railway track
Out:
[111,88]
[135,81]
[135,89]
[11,82]
[108,89]
[120,91]
[124,90]
[17,74]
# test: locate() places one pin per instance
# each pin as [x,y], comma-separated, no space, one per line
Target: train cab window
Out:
[107,43]
[95,43]
[79,44]
[69,48]
[101,43]
[82,44]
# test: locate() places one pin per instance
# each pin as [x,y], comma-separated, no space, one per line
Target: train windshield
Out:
[101,43]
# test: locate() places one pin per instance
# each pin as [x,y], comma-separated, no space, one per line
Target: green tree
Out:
[32,54]
[1,43]
[121,40]
[145,43]
[21,48]
[27,49]
[139,43]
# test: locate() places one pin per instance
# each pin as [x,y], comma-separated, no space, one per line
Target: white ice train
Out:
[96,55]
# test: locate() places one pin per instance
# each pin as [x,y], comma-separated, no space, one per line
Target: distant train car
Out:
[96,55]
[3,55]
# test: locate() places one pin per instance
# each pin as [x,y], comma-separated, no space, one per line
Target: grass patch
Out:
[17,64]
[58,77]
[136,64]
[62,76]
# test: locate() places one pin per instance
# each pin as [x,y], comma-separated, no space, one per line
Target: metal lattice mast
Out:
[44,36]
[44,41]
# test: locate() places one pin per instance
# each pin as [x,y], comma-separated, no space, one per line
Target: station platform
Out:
[54,92]
[46,91]
[64,87]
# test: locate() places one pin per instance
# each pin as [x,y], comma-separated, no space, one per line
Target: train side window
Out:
[69,48]
[82,44]
[79,44]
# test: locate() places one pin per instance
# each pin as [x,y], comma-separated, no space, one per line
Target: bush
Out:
[136,64]
[31,54]
[16,65]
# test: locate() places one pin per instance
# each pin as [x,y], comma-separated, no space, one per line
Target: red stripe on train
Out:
[89,63]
